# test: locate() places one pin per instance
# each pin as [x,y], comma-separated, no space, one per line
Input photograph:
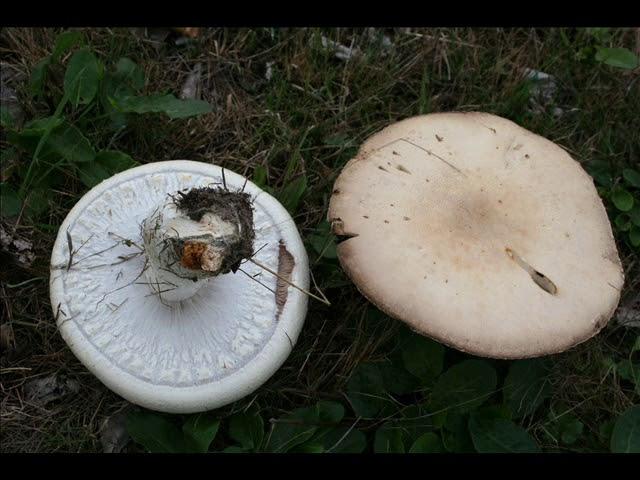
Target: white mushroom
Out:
[479,234]
[144,290]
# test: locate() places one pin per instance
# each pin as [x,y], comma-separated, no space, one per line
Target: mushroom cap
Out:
[203,352]
[479,234]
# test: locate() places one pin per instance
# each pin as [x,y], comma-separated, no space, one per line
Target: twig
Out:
[345,435]
[256,280]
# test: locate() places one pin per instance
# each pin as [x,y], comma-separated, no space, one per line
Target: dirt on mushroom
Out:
[229,206]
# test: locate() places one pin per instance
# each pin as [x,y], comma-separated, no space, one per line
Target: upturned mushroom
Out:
[180,285]
[479,234]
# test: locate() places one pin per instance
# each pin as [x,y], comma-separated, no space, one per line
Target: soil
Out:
[234,207]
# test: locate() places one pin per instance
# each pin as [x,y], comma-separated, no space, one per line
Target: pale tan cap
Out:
[479,234]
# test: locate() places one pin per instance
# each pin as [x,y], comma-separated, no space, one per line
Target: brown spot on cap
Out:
[286,263]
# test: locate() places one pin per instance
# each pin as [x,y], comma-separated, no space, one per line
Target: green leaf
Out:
[38,77]
[117,120]
[27,140]
[634,214]
[127,79]
[456,420]
[167,104]
[617,57]
[69,142]
[622,199]
[127,71]
[376,321]
[9,158]
[10,203]
[114,89]
[603,178]
[626,432]
[388,439]
[526,386]
[37,201]
[344,440]
[260,176]
[427,443]
[606,429]
[630,372]
[455,435]
[82,77]
[337,140]
[92,173]
[247,429]
[601,34]
[330,412]
[114,161]
[64,42]
[634,236]
[632,177]
[395,378]
[293,429]
[421,356]
[416,421]
[497,435]
[325,245]
[323,241]
[570,429]
[292,193]
[310,448]
[199,431]
[623,222]
[40,125]
[601,173]
[464,386]
[234,449]
[495,411]
[366,392]
[155,432]
[6,119]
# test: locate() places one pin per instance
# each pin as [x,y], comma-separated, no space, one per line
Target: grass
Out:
[306,122]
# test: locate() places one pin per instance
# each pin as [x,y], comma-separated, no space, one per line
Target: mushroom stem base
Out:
[184,250]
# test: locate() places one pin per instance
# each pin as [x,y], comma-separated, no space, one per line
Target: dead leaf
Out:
[113,433]
[7,338]
[628,317]
[158,35]
[19,248]
[542,90]
[386,43]
[191,32]
[42,391]
[9,101]
[269,70]
[341,52]
[191,87]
